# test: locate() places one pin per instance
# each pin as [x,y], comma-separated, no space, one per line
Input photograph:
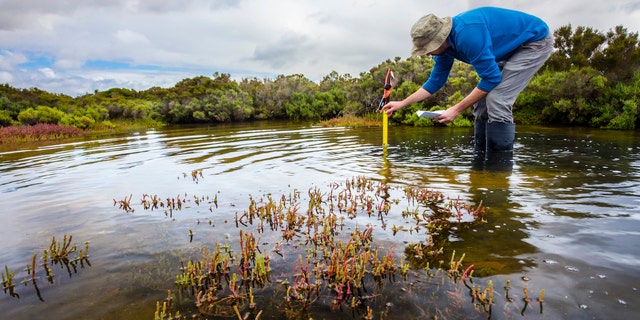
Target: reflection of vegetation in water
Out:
[64,254]
[298,261]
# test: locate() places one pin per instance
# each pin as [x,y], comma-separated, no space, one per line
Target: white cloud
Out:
[5,77]
[47,73]
[129,37]
[67,64]
[9,60]
[244,38]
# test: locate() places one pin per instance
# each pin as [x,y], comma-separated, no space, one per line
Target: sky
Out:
[75,47]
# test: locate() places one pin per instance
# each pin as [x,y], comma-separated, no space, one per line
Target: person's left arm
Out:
[452,113]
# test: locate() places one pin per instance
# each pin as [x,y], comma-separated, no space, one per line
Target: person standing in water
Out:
[505,47]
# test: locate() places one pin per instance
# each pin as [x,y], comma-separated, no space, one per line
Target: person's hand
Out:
[447,116]
[392,106]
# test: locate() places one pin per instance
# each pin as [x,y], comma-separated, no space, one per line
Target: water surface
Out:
[565,218]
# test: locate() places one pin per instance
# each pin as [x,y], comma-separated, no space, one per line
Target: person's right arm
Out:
[437,79]
[417,96]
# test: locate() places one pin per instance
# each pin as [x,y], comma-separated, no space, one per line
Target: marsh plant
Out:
[65,254]
[310,254]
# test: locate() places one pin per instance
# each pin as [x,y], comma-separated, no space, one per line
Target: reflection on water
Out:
[566,217]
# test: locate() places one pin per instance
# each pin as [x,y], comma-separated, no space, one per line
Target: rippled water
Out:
[566,218]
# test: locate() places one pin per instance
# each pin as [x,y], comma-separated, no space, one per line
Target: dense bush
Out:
[28,117]
[5,119]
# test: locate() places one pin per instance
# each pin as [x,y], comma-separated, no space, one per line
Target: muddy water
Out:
[564,219]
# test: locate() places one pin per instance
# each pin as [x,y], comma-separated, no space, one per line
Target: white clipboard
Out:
[429,114]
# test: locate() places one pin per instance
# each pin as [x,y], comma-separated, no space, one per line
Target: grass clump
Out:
[348,120]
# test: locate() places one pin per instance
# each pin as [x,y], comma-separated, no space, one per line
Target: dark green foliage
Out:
[590,80]
[620,57]
[616,54]
[563,97]
[574,48]
[202,99]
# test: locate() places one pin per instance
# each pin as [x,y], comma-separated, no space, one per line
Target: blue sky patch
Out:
[37,62]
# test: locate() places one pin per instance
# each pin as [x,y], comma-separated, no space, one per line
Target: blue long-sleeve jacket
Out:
[482,37]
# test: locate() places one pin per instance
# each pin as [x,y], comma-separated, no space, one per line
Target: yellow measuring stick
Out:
[385,129]
[388,84]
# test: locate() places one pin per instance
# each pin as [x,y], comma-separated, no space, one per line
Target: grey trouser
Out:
[517,71]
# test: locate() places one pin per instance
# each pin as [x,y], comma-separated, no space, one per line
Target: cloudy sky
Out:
[78,46]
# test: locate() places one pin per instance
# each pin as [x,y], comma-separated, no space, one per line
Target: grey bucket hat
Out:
[429,33]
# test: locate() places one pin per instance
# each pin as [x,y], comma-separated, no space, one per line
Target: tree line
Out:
[591,79]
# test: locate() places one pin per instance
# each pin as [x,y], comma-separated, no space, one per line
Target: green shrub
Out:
[80,122]
[5,119]
[626,120]
[28,116]
[49,115]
